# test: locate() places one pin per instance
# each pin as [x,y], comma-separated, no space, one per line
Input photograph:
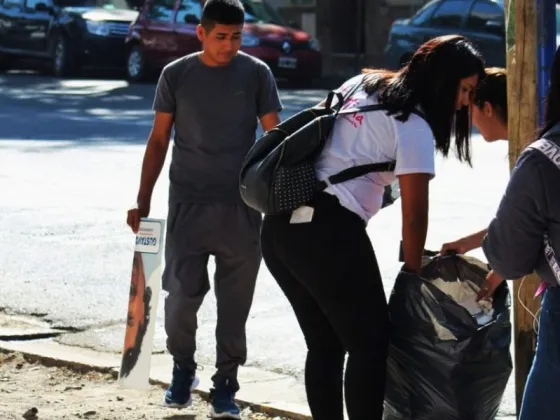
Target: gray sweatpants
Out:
[230,233]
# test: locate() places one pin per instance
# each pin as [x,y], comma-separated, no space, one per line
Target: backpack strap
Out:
[366,108]
[331,95]
[548,148]
[552,151]
[341,99]
[356,172]
[376,107]
[360,170]
[551,259]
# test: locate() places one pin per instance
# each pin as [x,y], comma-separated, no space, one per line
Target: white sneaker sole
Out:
[215,415]
[177,406]
[195,383]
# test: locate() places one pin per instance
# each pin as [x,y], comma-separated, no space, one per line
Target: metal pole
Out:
[546,18]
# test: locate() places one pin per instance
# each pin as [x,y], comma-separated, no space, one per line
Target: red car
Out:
[166,30]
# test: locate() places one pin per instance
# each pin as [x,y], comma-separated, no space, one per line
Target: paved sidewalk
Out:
[266,392]
[271,394]
[33,391]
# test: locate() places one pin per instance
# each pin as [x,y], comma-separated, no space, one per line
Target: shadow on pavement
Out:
[79,111]
[86,111]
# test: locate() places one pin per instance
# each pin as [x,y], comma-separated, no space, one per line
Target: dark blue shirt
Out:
[529,208]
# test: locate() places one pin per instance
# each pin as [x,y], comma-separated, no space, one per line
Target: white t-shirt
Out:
[373,137]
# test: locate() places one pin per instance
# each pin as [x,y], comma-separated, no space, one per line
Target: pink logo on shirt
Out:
[354,119]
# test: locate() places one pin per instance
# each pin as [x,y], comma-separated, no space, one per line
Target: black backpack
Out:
[278,174]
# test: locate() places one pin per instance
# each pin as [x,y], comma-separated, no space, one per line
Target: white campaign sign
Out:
[145,285]
[148,238]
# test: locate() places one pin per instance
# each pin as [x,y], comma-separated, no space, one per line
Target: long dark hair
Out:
[431,80]
[552,106]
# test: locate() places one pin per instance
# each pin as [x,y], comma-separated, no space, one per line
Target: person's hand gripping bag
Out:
[449,356]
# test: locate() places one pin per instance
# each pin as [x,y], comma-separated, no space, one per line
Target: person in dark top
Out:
[214,99]
[524,237]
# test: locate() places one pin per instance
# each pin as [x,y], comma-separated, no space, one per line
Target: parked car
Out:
[482,21]
[166,30]
[68,34]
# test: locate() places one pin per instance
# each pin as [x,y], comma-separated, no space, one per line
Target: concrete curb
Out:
[32,352]
[52,354]
[269,393]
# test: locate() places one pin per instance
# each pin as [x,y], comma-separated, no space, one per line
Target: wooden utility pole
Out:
[522,68]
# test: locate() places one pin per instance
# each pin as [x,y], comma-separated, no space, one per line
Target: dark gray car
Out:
[482,21]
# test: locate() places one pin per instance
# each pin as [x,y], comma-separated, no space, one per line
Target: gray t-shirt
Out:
[216,112]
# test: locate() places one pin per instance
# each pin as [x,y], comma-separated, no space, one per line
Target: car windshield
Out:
[557,20]
[258,11]
[102,4]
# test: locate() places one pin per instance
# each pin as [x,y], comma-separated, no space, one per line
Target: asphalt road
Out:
[70,156]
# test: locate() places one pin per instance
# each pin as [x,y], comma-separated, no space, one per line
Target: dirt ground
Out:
[32,391]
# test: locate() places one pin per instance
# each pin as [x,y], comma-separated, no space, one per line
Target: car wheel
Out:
[136,69]
[63,63]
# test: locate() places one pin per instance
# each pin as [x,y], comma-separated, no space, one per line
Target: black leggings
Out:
[328,271]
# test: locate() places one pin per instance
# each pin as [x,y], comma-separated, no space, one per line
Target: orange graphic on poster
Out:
[138,315]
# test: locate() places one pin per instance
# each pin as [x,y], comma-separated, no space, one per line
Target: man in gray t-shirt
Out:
[214,99]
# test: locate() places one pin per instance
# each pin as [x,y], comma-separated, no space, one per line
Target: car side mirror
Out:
[190,18]
[495,27]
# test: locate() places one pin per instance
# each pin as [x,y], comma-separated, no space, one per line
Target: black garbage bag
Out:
[448,358]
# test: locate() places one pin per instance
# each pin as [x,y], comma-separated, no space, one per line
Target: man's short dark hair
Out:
[222,12]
